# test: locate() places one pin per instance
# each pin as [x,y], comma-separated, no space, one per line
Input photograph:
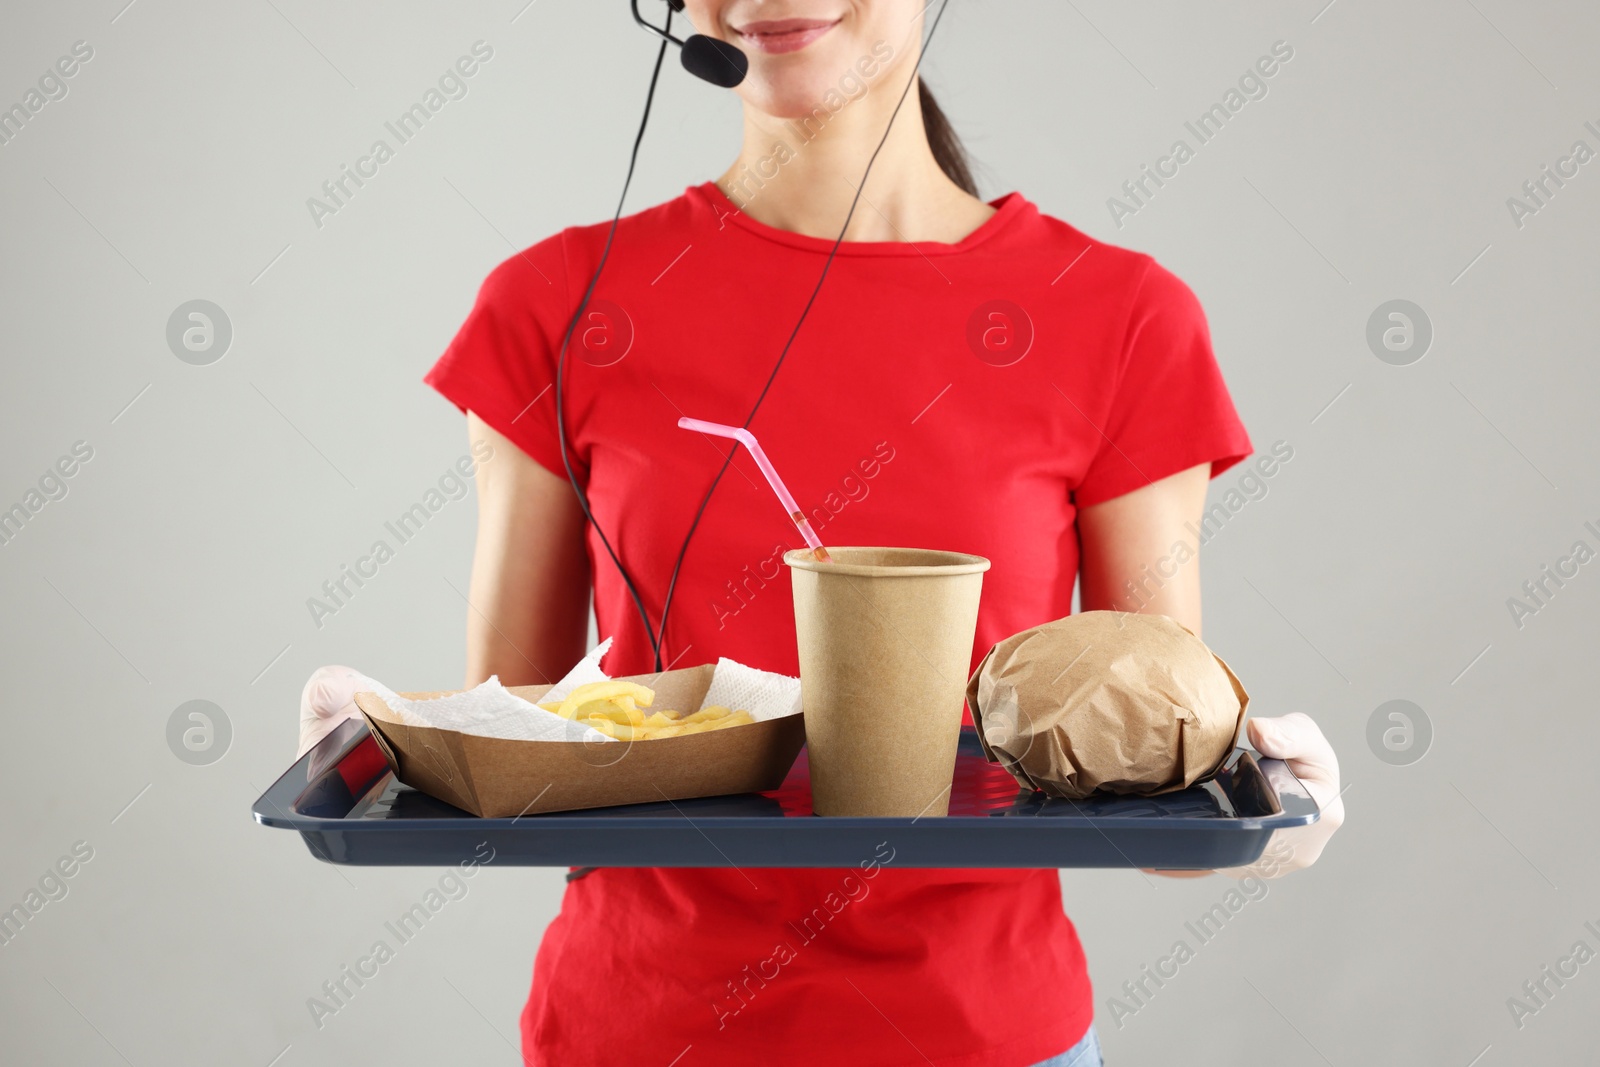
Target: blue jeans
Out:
[1085,1053]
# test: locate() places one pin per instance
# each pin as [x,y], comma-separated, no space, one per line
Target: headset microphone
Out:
[707,58]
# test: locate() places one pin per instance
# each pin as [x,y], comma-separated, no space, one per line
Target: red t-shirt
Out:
[967,396]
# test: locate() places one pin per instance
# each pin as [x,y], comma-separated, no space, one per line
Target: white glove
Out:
[1297,740]
[328,700]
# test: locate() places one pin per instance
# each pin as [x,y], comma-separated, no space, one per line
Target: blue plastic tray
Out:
[342,799]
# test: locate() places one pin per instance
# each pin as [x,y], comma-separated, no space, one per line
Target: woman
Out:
[974,376]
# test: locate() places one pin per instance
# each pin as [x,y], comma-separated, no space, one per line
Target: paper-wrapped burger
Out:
[1106,701]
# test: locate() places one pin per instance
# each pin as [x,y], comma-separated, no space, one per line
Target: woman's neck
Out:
[801,175]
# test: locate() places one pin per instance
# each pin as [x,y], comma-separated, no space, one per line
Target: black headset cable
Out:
[561,358]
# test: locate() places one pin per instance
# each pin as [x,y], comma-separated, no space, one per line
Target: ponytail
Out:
[948,150]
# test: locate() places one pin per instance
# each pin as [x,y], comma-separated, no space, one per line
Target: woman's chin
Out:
[796,99]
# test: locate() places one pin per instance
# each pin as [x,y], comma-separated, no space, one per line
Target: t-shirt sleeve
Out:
[501,364]
[1170,409]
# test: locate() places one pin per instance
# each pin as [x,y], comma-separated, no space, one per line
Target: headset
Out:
[725,65]
[707,58]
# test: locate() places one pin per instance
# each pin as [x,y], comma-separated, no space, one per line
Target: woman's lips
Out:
[785,35]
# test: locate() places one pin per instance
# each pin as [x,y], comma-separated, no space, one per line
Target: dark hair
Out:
[948,151]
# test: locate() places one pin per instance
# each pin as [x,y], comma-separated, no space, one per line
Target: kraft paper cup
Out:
[885,639]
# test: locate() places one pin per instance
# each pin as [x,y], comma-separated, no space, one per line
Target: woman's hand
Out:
[328,700]
[1297,740]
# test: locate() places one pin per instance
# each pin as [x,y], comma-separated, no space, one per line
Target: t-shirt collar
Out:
[1008,209]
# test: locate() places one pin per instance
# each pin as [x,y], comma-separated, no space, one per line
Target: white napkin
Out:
[763,694]
[490,710]
[585,671]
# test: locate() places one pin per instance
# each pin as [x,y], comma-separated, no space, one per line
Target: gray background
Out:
[1377,568]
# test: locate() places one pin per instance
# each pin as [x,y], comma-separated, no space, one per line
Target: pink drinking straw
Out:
[748,439]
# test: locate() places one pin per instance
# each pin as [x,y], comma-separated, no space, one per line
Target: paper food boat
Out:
[496,777]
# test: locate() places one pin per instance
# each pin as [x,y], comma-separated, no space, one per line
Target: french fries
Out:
[636,695]
[613,709]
